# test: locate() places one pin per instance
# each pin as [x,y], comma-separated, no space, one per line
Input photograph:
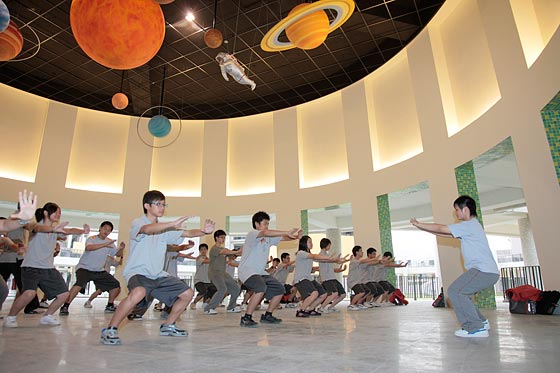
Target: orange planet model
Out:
[120,34]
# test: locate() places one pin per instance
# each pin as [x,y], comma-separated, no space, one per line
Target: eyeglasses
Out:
[159,204]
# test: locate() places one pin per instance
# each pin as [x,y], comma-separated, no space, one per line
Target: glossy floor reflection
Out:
[413,338]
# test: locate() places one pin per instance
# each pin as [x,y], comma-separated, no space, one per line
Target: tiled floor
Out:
[413,338]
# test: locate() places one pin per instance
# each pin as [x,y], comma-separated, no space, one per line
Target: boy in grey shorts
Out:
[252,267]
[144,269]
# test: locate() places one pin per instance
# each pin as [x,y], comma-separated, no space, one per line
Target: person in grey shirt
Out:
[333,287]
[482,270]
[218,276]
[38,265]
[91,267]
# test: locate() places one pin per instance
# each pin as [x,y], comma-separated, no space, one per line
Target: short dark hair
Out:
[218,233]
[203,246]
[106,222]
[463,201]
[258,217]
[355,249]
[284,255]
[152,196]
[276,260]
[371,250]
[324,243]
[388,254]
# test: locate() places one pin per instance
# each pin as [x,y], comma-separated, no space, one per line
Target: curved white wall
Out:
[439,103]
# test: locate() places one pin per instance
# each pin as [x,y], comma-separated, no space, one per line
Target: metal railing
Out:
[512,277]
[419,286]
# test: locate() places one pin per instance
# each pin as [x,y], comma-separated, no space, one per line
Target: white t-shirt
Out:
[303,267]
[474,246]
[40,250]
[95,260]
[147,252]
[255,255]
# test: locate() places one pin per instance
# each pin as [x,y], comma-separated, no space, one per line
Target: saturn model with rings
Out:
[307,25]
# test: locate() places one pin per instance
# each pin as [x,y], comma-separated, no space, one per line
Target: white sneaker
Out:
[10,322]
[333,309]
[49,320]
[375,304]
[244,307]
[291,305]
[87,304]
[233,310]
[211,312]
[193,306]
[353,307]
[368,305]
[480,333]
[361,306]
[486,325]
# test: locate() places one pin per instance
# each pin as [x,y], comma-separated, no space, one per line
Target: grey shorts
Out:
[375,288]
[166,289]
[360,288]
[266,284]
[102,279]
[333,286]
[387,286]
[306,287]
[48,279]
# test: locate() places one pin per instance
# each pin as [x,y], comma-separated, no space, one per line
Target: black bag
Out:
[440,300]
[523,307]
[548,302]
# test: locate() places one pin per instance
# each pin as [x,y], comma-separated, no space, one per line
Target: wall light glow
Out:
[95,188]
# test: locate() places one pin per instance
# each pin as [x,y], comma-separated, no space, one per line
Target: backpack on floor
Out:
[548,302]
[440,300]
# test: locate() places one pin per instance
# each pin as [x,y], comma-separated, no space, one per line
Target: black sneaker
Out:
[134,316]
[64,311]
[314,313]
[269,319]
[302,313]
[248,322]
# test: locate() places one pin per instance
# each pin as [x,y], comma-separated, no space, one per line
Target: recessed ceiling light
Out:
[189,17]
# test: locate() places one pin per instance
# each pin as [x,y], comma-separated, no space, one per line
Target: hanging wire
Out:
[236,26]
[122,81]
[162,91]
[215,13]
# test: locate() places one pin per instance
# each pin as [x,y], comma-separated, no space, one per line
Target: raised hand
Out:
[413,221]
[86,230]
[295,233]
[188,245]
[27,206]
[179,222]
[122,245]
[60,228]
[209,226]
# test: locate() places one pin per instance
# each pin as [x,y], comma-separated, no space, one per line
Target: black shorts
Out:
[306,287]
[206,289]
[102,280]
[287,289]
[375,289]
[333,286]
[166,289]
[48,279]
[359,288]
[265,283]
[387,286]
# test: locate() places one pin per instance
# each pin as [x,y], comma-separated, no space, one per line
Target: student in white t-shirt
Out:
[144,268]
[91,267]
[482,270]
[38,265]
[252,271]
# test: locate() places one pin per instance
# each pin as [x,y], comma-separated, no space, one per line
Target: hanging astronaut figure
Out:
[229,65]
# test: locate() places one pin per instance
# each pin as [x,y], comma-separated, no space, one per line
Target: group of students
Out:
[147,278]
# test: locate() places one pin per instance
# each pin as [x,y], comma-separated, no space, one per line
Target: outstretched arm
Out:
[209,226]
[434,228]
